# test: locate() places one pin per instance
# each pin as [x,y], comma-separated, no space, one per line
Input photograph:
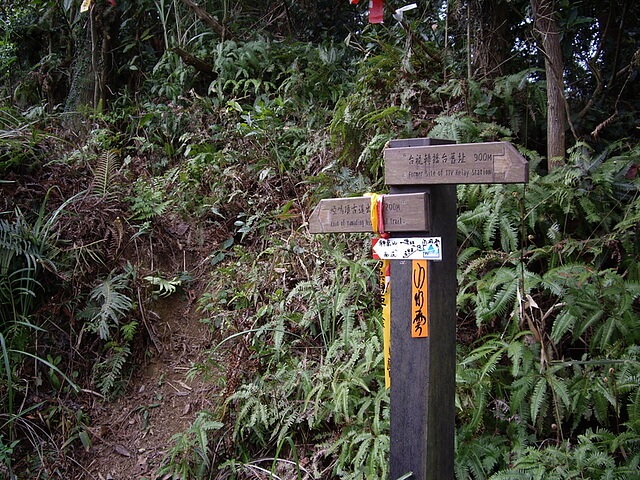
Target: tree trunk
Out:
[491,45]
[92,59]
[547,30]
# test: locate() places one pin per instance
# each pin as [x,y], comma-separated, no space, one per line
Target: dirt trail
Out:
[131,435]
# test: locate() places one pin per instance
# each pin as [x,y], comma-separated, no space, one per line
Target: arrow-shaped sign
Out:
[401,213]
[412,248]
[408,163]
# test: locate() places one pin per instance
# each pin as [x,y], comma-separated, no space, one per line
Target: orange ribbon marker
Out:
[419,295]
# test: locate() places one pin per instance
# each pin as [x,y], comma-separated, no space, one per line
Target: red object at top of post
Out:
[376,10]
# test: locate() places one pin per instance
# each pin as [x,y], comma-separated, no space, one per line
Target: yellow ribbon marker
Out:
[386,323]
[85,5]
[374,212]
[377,225]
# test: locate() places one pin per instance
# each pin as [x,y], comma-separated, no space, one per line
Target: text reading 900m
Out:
[483,157]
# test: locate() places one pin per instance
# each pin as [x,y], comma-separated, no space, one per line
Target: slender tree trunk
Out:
[490,43]
[92,58]
[547,30]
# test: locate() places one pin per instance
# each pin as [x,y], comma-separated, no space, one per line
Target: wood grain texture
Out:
[490,162]
[348,215]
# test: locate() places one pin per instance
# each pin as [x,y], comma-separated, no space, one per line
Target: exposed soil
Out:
[132,434]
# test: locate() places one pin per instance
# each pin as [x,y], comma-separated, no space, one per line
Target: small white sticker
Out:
[428,248]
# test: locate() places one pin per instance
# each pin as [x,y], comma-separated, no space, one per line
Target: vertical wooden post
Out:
[423,369]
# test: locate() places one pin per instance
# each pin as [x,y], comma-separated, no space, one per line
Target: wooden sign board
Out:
[401,213]
[409,163]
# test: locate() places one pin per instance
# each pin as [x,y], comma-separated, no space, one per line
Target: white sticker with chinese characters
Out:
[427,248]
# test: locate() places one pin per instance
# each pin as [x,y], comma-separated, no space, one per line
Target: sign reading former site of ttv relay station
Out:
[491,162]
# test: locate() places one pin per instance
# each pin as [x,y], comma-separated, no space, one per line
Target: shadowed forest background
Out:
[158,162]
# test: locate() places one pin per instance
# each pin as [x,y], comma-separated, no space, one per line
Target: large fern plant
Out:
[552,268]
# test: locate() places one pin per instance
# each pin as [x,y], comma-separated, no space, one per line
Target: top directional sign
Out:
[409,163]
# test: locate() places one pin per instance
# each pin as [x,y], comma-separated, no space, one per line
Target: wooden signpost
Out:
[422,249]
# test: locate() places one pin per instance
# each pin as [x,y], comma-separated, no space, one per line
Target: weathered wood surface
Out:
[410,163]
[348,215]
[423,369]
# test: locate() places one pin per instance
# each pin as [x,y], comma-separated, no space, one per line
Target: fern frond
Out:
[504,284]
[520,355]
[493,221]
[521,392]
[105,171]
[512,475]
[508,235]
[460,128]
[166,287]
[107,305]
[560,392]
[539,400]
[109,371]
[563,323]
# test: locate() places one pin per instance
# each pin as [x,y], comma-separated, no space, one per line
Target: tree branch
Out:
[207,18]
[195,62]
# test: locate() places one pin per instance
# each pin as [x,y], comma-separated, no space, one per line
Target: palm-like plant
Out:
[26,249]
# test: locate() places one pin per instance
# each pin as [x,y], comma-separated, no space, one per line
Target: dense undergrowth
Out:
[549,277]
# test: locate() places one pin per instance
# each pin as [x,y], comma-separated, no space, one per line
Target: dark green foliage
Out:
[29,251]
[28,247]
[18,142]
[320,386]
[552,267]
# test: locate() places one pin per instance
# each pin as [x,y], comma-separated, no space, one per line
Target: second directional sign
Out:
[401,213]
[493,162]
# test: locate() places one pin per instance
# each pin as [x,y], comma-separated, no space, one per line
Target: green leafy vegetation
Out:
[156,152]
